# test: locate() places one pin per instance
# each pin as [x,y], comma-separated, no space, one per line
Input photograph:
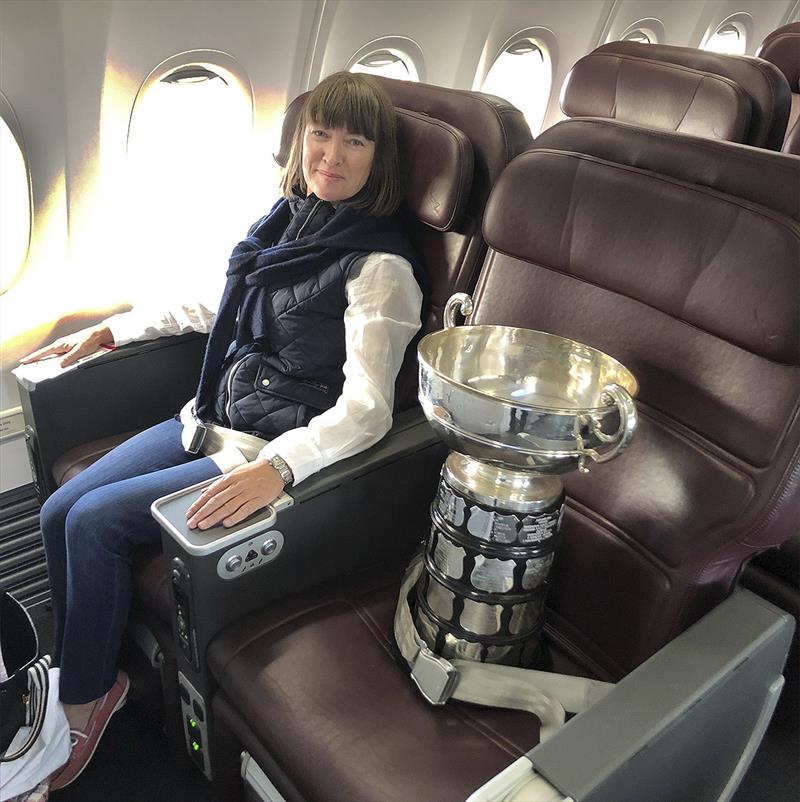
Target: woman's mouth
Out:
[326,174]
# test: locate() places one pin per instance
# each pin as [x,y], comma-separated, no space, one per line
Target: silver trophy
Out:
[518,408]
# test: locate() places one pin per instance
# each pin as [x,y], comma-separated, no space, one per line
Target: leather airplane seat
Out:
[658,272]
[656,95]
[782,48]
[762,83]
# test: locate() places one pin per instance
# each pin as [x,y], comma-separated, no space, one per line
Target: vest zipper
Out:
[308,219]
[228,387]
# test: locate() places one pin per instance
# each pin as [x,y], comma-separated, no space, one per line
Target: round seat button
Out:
[233,563]
[265,382]
[269,547]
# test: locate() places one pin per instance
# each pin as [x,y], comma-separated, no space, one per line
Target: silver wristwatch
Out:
[282,467]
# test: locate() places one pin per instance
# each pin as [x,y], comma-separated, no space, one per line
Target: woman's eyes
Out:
[321,133]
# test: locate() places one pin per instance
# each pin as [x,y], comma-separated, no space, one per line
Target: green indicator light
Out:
[195,746]
[192,722]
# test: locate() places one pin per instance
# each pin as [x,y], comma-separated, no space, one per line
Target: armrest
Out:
[369,509]
[684,725]
[409,433]
[131,388]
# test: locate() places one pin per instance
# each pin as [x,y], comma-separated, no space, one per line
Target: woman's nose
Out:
[333,153]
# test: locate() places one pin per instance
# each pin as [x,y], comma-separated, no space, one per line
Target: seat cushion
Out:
[78,459]
[321,676]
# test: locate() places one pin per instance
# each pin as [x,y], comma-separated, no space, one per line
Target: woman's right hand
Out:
[75,346]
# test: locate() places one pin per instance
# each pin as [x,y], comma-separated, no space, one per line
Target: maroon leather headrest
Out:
[754,174]
[782,48]
[762,82]
[436,161]
[497,130]
[656,95]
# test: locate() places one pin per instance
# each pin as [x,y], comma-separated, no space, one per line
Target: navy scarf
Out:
[266,258]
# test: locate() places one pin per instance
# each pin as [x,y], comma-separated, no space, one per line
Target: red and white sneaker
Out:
[85,742]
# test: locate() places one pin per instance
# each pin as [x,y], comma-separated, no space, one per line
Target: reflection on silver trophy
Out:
[517,408]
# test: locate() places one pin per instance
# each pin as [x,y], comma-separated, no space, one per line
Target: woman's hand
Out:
[236,495]
[75,346]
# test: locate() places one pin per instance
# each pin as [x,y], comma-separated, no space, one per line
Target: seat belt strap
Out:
[545,694]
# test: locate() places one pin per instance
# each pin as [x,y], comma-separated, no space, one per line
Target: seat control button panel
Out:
[250,555]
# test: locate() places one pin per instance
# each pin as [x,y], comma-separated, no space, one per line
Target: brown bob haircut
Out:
[358,103]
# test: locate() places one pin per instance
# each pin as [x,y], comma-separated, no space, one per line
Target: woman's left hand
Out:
[236,495]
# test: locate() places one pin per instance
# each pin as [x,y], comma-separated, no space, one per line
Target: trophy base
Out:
[493,535]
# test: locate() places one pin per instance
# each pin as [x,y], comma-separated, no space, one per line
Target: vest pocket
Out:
[308,392]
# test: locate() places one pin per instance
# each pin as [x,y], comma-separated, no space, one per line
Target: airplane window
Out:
[637,36]
[647,31]
[15,208]
[522,74]
[190,184]
[730,38]
[387,63]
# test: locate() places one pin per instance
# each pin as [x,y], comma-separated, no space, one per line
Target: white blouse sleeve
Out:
[162,318]
[382,317]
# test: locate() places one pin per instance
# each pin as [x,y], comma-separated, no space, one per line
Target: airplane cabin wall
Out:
[71,69]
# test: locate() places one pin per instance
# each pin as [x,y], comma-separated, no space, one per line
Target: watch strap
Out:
[282,467]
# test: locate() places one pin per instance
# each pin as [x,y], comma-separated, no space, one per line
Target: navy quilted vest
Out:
[285,364]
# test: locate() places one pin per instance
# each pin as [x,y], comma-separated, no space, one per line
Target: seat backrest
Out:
[656,95]
[782,48]
[697,290]
[761,81]
[452,254]
[741,171]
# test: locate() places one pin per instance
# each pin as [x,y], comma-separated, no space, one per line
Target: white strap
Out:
[545,694]
[38,687]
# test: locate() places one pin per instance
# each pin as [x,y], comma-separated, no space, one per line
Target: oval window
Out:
[638,36]
[189,195]
[15,208]
[730,38]
[387,63]
[522,75]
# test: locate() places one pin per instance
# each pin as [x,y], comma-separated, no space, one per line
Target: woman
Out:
[321,302]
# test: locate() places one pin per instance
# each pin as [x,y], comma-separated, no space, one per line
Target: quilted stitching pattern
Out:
[302,333]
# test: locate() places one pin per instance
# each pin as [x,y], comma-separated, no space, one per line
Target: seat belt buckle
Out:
[198,436]
[435,677]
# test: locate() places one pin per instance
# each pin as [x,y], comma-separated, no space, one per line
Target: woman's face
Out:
[336,163]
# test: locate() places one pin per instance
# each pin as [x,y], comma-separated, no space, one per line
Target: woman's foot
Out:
[86,736]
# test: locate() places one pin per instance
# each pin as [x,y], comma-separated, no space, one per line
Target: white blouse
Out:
[382,316]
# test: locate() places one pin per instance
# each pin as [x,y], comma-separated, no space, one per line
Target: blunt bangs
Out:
[345,104]
[357,103]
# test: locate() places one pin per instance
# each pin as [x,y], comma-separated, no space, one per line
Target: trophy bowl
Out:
[524,398]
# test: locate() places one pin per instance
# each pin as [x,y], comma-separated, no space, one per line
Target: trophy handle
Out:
[620,397]
[460,301]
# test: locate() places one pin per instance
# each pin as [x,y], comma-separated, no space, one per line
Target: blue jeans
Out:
[91,527]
